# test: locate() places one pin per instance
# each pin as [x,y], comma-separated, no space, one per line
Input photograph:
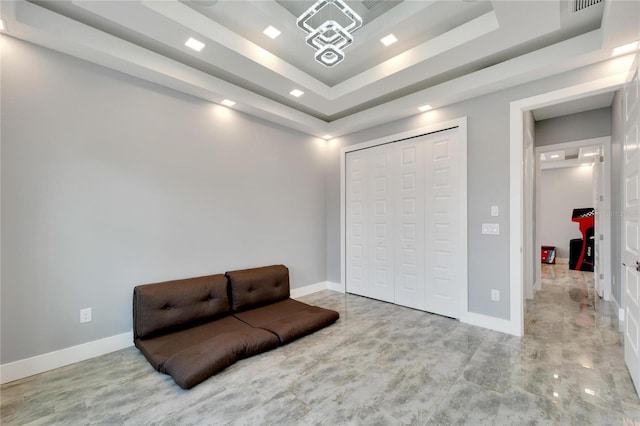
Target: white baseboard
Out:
[56,359]
[564,260]
[620,310]
[492,323]
[335,287]
[313,288]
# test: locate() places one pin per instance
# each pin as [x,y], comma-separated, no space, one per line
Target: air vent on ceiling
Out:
[372,4]
[579,5]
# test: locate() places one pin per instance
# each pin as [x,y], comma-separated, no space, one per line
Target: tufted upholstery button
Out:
[167,307]
[250,290]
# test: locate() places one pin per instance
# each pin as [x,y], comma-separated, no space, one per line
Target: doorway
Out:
[517,184]
[574,175]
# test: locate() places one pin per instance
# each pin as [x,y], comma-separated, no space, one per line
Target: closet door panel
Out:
[409,222]
[381,213]
[356,222]
[441,232]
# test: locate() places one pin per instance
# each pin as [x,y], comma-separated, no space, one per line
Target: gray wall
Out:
[574,127]
[109,182]
[488,183]
[561,191]
[617,132]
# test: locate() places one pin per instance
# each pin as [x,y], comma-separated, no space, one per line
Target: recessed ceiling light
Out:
[388,40]
[297,93]
[589,154]
[228,103]
[327,137]
[271,31]
[627,48]
[194,44]
[424,108]
[555,156]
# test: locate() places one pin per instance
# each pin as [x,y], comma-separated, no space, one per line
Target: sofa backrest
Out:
[255,287]
[173,305]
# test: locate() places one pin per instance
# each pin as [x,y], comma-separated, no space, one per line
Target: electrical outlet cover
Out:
[85,315]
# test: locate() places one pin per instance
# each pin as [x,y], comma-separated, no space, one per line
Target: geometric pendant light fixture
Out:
[330,38]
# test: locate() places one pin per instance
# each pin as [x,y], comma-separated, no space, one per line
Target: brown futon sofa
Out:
[195,327]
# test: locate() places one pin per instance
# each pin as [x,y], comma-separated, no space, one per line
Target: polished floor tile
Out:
[380,364]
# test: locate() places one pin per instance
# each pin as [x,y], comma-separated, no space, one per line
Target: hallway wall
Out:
[561,191]
[573,127]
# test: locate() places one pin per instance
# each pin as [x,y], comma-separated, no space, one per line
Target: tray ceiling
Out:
[446,50]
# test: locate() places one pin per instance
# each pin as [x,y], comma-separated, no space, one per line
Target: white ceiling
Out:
[571,157]
[602,100]
[447,51]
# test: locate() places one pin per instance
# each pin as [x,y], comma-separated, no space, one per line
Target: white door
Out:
[370,225]
[598,204]
[410,223]
[357,213]
[381,185]
[442,284]
[631,235]
[402,223]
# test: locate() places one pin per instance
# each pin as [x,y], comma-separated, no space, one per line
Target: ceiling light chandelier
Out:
[330,38]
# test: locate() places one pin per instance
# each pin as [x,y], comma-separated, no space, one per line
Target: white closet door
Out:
[442,284]
[381,213]
[410,224]
[356,169]
[402,223]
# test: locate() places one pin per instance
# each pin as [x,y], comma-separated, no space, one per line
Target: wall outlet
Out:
[85,315]
[495,295]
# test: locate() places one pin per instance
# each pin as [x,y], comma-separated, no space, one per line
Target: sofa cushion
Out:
[231,337]
[168,306]
[199,362]
[289,319]
[256,287]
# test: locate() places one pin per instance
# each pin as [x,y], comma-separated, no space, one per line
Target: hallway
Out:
[575,336]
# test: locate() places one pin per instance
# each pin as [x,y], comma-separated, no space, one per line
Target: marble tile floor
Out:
[380,364]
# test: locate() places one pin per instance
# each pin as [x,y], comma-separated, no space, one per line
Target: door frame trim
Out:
[461,124]
[516,181]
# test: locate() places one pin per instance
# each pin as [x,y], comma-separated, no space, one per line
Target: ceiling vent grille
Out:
[579,5]
[372,4]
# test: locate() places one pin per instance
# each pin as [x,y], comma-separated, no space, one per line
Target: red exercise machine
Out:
[581,250]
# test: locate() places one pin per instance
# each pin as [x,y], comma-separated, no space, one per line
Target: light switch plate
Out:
[495,211]
[491,228]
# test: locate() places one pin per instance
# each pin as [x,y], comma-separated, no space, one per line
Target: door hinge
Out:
[601,159]
[601,237]
[602,198]
[602,276]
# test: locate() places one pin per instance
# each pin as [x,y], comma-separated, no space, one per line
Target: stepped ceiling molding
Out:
[447,51]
